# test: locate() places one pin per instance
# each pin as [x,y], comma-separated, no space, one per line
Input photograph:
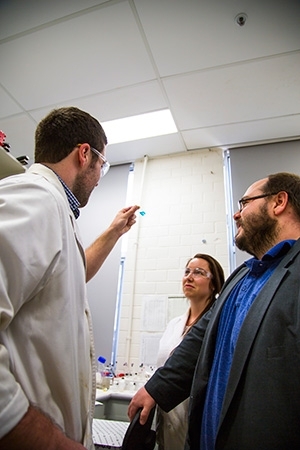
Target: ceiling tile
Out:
[116,58]
[249,91]
[200,34]
[37,13]
[93,53]
[115,104]
[280,128]
[8,105]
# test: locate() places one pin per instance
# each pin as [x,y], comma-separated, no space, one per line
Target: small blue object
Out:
[142,213]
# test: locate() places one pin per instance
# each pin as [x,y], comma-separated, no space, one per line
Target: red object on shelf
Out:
[120,375]
[2,138]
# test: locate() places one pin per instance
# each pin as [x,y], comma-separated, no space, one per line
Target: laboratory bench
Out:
[112,405]
[111,411]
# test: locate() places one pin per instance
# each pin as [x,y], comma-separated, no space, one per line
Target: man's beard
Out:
[82,188]
[259,233]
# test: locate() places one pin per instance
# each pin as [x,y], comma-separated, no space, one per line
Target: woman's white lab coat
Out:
[172,426]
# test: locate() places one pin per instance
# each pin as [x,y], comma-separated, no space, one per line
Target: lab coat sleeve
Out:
[171,383]
[30,246]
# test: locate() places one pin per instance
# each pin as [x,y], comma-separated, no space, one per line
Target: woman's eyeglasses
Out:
[197,273]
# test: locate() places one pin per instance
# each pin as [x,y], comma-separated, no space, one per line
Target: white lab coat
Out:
[172,426]
[46,344]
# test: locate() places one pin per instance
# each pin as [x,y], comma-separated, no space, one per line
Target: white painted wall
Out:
[184,200]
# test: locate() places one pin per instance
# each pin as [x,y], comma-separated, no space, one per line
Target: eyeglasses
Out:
[105,166]
[197,273]
[244,201]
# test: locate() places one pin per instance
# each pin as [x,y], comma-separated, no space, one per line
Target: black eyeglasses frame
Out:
[243,201]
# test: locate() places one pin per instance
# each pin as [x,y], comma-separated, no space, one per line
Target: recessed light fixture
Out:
[143,126]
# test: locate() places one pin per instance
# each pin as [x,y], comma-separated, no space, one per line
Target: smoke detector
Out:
[241,19]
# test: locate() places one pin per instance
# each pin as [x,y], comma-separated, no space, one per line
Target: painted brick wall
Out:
[184,200]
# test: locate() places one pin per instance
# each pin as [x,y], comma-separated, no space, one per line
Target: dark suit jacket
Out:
[261,409]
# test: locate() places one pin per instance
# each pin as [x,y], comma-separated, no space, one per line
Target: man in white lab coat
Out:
[47,364]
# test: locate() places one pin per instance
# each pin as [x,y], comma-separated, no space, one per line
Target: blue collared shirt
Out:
[232,317]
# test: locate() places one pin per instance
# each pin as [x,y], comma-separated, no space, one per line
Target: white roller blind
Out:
[106,200]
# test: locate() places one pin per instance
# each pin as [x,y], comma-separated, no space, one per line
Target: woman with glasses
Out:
[202,281]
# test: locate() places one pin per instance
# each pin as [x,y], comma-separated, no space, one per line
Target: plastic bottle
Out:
[107,377]
[100,372]
[122,384]
[101,364]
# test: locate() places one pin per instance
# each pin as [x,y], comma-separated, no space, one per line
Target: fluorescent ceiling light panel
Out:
[142,126]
